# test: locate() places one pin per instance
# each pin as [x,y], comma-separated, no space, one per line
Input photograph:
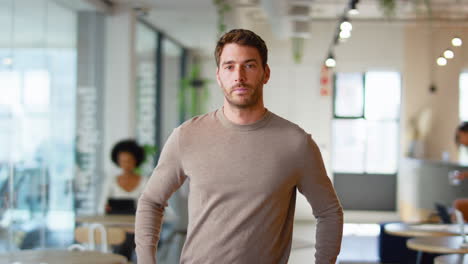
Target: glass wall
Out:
[171,80]
[37,87]
[148,112]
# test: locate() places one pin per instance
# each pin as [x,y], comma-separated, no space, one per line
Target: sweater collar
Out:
[253,126]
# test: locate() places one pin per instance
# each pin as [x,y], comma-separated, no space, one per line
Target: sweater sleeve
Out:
[315,185]
[166,178]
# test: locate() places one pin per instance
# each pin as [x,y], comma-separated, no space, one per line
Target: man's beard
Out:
[244,101]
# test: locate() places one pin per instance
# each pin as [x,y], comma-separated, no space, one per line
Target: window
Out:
[365,126]
[38,59]
[463,110]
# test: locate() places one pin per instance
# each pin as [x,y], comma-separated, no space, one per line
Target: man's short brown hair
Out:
[242,37]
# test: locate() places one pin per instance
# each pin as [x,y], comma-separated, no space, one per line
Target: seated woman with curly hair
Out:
[128,185]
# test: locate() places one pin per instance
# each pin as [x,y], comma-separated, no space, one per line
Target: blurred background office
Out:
[380,85]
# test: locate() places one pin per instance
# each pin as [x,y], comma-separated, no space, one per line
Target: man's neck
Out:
[244,116]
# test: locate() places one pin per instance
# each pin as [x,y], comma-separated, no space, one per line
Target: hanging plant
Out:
[388,7]
[193,94]
[297,48]
[150,152]
[222,7]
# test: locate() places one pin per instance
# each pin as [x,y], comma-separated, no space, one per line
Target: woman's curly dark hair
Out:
[130,146]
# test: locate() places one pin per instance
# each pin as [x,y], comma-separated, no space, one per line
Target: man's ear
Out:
[266,74]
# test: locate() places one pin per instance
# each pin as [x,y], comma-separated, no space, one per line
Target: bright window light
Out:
[10,82]
[37,89]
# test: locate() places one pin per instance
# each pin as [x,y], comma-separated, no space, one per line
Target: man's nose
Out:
[240,74]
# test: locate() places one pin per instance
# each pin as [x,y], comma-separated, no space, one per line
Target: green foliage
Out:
[388,7]
[222,7]
[150,151]
[297,49]
[193,94]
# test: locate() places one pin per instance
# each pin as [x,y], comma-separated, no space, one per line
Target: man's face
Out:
[241,75]
[463,138]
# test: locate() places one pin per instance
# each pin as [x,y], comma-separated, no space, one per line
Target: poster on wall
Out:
[87,150]
[325,81]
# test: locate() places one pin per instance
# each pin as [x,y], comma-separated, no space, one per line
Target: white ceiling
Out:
[194,22]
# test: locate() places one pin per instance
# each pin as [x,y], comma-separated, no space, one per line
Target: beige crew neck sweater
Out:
[243,181]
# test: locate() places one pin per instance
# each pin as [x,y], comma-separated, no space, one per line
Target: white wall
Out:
[120,92]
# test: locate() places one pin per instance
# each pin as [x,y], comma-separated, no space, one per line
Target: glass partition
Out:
[37,83]
[147,42]
[171,80]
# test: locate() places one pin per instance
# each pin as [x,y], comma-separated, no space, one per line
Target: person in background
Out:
[461,139]
[244,165]
[128,156]
[461,135]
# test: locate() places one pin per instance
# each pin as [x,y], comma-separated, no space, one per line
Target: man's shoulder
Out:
[200,121]
[287,126]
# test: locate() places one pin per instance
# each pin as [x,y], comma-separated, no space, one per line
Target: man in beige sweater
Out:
[244,165]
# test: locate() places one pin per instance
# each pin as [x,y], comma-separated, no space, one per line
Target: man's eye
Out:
[249,66]
[228,67]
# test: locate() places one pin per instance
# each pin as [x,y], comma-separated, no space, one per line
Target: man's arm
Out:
[317,188]
[167,177]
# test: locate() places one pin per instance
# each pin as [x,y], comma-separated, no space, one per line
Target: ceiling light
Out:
[345,34]
[346,26]
[330,63]
[448,54]
[353,12]
[441,61]
[457,42]
[353,8]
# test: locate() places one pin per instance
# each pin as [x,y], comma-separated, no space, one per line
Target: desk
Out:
[423,230]
[126,222]
[452,259]
[108,220]
[60,257]
[438,245]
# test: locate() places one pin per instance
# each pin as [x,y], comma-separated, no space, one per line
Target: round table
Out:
[61,257]
[423,230]
[126,222]
[438,245]
[452,259]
